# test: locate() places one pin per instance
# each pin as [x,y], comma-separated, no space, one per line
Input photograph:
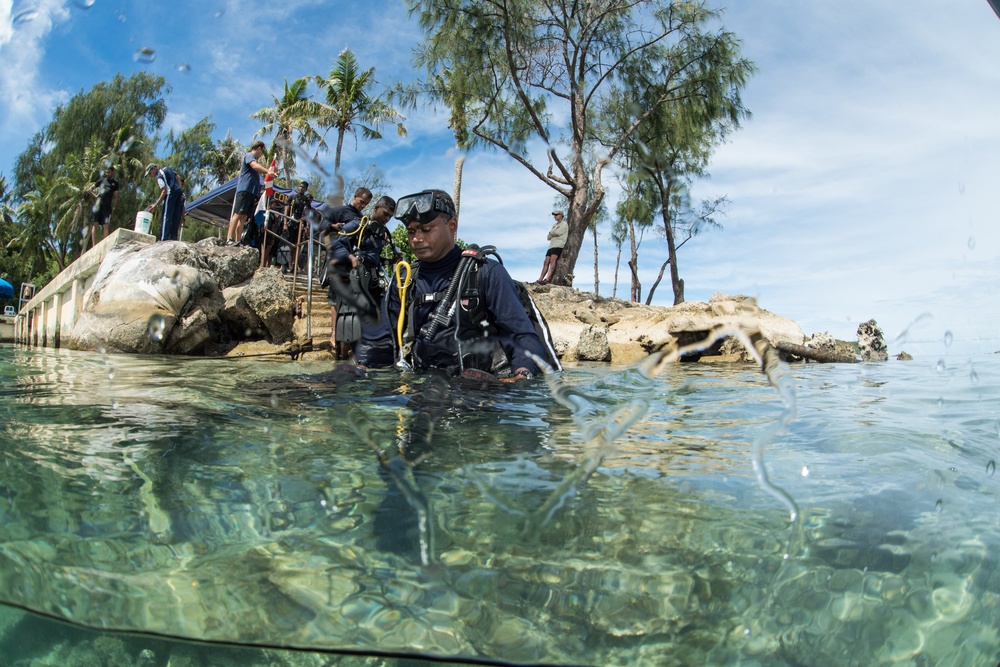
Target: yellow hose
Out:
[401,285]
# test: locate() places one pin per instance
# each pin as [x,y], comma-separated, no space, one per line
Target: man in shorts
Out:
[557,241]
[247,192]
[105,192]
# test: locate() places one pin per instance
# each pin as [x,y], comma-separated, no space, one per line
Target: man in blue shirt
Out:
[172,198]
[247,192]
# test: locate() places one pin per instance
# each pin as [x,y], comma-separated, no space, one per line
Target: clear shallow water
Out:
[243,502]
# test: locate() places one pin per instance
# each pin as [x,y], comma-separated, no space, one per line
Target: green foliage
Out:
[109,125]
[668,146]
[291,115]
[189,151]
[507,70]
[223,162]
[348,107]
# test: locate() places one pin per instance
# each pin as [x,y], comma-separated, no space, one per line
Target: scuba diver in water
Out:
[360,283]
[462,312]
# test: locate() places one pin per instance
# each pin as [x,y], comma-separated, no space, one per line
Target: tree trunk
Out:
[597,281]
[656,283]
[618,263]
[668,230]
[336,157]
[635,293]
[457,187]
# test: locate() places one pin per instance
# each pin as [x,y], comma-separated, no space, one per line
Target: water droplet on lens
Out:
[183,67]
[84,4]
[948,338]
[220,13]
[940,366]
[157,324]
[972,243]
[144,55]
[938,506]
[805,471]
[961,188]
[973,376]
[991,468]
[125,145]
[24,16]
[111,375]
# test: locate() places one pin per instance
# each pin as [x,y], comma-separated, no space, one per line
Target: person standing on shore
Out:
[247,191]
[172,198]
[557,241]
[105,192]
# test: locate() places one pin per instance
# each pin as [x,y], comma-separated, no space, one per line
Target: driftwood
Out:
[815,355]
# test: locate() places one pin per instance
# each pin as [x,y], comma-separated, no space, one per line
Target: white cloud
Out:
[24,30]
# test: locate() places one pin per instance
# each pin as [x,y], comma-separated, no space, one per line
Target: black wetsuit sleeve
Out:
[516,333]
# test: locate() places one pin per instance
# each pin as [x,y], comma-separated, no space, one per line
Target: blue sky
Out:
[865,185]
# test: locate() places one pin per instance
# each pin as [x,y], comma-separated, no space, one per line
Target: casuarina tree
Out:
[530,78]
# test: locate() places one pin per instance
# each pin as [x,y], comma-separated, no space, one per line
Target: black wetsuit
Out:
[514,332]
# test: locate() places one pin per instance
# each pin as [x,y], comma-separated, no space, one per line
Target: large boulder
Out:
[168,298]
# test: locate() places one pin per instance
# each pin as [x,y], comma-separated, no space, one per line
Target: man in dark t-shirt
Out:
[296,207]
[105,193]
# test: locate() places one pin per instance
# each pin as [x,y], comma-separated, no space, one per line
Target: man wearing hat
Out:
[557,241]
[172,198]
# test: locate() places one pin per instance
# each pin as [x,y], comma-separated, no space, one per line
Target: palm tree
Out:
[223,161]
[348,107]
[291,114]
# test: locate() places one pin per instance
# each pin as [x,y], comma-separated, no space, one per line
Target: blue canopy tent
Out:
[216,206]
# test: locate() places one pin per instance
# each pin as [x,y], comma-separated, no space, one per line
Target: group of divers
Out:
[454,310]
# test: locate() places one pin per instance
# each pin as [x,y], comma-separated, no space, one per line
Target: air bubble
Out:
[144,55]
[157,325]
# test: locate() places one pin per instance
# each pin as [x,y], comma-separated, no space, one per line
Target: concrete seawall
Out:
[54,309]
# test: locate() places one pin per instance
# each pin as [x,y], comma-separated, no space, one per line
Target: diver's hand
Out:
[519,374]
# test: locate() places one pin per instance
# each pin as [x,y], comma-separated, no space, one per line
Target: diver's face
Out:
[432,240]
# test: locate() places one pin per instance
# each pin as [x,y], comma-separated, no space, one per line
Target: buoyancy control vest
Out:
[460,333]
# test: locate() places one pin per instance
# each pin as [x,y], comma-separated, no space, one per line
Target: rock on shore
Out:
[590,328]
